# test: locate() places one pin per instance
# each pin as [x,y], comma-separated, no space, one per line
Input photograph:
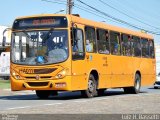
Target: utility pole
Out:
[69,6]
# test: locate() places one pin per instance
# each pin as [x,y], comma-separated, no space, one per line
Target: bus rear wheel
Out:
[137,85]
[43,94]
[155,87]
[92,88]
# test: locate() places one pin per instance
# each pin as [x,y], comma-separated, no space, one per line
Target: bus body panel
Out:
[104,70]
[148,71]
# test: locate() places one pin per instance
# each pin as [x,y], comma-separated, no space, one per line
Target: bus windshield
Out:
[39,47]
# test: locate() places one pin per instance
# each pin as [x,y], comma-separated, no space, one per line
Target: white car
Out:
[157,83]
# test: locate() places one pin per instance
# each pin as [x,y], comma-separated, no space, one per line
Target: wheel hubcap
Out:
[91,86]
[137,86]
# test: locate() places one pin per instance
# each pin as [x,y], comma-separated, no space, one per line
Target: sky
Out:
[146,11]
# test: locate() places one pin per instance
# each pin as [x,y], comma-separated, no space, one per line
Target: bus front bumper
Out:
[59,84]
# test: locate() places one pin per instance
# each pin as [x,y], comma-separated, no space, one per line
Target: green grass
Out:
[4,84]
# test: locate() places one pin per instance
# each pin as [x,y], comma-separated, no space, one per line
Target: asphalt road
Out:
[113,102]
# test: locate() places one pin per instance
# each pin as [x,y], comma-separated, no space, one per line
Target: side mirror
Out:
[75,33]
[74,30]
[4,38]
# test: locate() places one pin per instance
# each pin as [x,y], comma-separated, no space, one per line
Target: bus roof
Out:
[92,23]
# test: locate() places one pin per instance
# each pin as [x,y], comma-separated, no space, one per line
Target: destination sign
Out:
[40,22]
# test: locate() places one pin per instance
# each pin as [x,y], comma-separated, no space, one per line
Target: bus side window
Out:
[132,46]
[151,49]
[115,43]
[145,47]
[126,45]
[136,46]
[77,44]
[90,39]
[103,41]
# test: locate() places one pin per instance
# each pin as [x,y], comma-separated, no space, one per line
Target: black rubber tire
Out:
[137,85]
[92,88]
[54,93]
[6,77]
[101,92]
[155,87]
[43,94]
[127,90]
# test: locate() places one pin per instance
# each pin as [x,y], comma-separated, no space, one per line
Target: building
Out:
[5,52]
[157,58]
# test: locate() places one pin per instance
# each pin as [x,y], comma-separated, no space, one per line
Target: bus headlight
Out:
[61,74]
[15,75]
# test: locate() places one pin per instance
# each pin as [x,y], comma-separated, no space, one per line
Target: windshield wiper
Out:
[24,31]
[46,36]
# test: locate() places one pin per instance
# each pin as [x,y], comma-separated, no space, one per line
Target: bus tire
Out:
[137,85]
[127,90]
[155,87]
[43,94]
[92,88]
[101,92]
[54,93]
[6,77]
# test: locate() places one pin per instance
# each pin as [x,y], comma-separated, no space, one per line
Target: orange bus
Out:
[51,53]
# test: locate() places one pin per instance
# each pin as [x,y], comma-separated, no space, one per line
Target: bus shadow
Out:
[63,96]
[18,97]
[152,88]
[77,95]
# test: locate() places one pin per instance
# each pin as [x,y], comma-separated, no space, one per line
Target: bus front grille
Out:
[41,77]
[44,71]
[36,84]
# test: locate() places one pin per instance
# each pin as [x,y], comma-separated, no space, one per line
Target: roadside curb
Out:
[6,89]
[28,92]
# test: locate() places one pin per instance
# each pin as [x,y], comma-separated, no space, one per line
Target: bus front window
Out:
[39,47]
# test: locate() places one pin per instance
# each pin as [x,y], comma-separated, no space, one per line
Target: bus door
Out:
[78,55]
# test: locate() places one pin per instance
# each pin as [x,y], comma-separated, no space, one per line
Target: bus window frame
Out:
[94,51]
[41,30]
[139,39]
[150,56]
[119,33]
[130,47]
[108,40]
[142,39]
[72,42]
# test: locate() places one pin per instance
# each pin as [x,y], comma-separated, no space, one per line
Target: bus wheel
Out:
[92,88]
[155,87]
[137,85]
[101,92]
[54,93]
[6,77]
[43,94]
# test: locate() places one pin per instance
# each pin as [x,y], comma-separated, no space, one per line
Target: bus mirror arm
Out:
[74,26]
[4,41]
